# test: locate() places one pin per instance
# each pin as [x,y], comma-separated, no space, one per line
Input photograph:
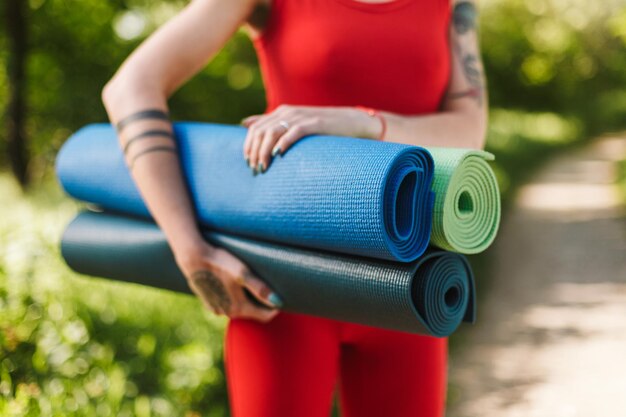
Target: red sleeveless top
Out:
[392,56]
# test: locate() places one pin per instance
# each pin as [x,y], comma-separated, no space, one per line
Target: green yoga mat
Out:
[431,295]
[466,215]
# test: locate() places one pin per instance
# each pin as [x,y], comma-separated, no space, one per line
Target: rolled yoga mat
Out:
[431,295]
[347,195]
[467,200]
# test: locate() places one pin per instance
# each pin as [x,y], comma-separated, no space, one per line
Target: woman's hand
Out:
[221,281]
[273,133]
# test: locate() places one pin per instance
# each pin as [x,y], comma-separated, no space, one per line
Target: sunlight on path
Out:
[551,334]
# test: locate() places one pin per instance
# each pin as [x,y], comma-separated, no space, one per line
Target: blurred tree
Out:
[16,28]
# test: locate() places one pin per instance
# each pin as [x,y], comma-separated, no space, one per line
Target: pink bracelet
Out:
[375,113]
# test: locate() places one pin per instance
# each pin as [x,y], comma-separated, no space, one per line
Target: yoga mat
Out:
[431,295]
[347,195]
[466,215]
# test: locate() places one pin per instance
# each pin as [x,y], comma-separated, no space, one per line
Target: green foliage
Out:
[561,56]
[86,347]
[76,47]
[555,71]
[521,141]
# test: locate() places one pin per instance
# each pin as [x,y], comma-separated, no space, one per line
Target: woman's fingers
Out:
[261,291]
[258,309]
[226,286]
[272,134]
[247,121]
[255,126]
[295,133]
[247,144]
[270,139]
[229,299]
[263,133]
[255,131]
[267,127]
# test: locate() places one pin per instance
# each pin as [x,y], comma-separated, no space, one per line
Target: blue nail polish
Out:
[276,151]
[275,300]
[261,168]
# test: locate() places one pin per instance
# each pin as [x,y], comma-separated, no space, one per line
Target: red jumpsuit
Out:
[391,56]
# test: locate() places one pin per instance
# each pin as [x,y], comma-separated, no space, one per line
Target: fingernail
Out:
[247,158]
[275,300]
[261,167]
[253,170]
[276,151]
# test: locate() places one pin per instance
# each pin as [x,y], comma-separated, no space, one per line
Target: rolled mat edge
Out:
[467,209]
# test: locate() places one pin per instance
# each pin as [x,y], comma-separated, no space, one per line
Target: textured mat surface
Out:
[467,200]
[340,194]
[429,296]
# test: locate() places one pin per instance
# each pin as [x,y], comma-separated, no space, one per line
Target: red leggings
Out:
[289,367]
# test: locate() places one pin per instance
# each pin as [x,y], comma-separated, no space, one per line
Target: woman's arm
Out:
[461,122]
[161,64]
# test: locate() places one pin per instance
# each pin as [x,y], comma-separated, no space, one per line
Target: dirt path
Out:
[551,334]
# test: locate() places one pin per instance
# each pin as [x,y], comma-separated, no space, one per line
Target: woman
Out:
[399,70]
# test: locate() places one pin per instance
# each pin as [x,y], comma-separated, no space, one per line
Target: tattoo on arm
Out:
[147,134]
[142,114]
[213,289]
[170,149]
[464,18]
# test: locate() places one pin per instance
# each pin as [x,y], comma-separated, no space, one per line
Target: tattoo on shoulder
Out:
[464,16]
[213,289]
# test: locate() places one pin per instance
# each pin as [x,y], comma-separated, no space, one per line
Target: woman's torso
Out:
[392,56]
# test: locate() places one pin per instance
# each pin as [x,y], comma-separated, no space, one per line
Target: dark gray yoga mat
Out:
[431,295]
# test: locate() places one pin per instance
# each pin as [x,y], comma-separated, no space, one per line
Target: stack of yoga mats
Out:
[338,227]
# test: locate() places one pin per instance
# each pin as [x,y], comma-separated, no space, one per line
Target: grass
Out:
[80,346]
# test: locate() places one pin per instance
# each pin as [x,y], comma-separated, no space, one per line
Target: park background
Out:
[72,345]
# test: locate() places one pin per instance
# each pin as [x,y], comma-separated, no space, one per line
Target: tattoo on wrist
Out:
[146,134]
[140,115]
[212,289]
[132,162]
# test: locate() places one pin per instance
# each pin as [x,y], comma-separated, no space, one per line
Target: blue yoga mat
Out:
[347,195]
